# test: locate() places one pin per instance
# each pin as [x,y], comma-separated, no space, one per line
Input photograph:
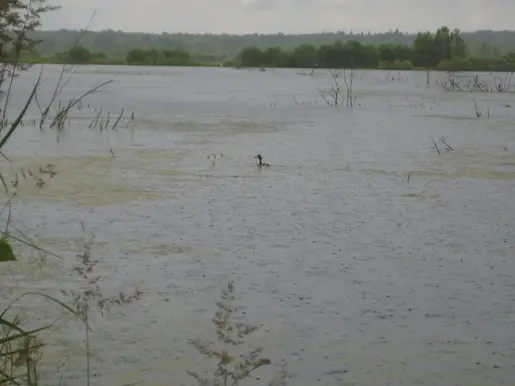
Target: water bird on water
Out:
[261,163]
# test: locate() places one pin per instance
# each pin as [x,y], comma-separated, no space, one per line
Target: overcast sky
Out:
[288,16]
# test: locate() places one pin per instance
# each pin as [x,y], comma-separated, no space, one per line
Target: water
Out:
[365,257]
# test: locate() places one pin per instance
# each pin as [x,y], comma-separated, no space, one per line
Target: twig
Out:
[59,88]
[131,119]
[22,112]
[61,115]
[448,147]
[436,146]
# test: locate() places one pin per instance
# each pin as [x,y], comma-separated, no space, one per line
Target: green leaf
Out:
[6,251]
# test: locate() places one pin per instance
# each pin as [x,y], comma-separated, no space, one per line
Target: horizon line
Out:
[351,32]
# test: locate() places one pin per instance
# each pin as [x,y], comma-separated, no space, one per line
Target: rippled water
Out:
[365,257]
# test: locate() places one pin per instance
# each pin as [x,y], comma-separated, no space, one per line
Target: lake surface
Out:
[365,257]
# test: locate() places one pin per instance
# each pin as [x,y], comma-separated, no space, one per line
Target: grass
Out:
[234,360]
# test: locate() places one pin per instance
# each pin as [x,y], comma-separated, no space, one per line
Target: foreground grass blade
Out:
[15,124]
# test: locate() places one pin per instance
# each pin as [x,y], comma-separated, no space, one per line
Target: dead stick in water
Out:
[436,146]
[449,147]
[117,120]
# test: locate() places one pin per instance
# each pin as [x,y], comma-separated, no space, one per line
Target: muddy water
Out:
[365,256]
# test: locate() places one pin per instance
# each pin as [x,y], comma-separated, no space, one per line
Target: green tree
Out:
[386,53]
[272,56]
[423,50]
[18,21]
[285,59]
[458,47]
[484,49]
[402,52]
[152,57]
[252,57]
[353,54]
[332,55]
[442,44]
[177,57]
[370,56]
[79,55]
[306,56]
[136,56]
[510,58]
[98,58]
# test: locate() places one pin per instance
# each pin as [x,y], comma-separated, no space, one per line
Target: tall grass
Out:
[235,361]
[20,347]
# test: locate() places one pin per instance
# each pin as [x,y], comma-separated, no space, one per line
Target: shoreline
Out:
[265,68]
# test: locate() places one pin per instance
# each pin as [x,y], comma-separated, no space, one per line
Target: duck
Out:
[261,163]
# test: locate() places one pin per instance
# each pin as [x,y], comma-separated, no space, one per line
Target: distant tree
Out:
[79,55]
[510,58]
[152,57]
[370,56]
[136,56]
[386,53]
[403,52]
[442,44]
[272,55]
[98,58]
[177,57]
[484,49]
[252,57]
[117,43]
[305,56]
[332,55]
[458,46]
[423,50]
[355,55]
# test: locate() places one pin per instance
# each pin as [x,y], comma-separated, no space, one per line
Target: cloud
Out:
[260,4]
[288,16]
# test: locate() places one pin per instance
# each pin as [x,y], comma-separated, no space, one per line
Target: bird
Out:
[261,163]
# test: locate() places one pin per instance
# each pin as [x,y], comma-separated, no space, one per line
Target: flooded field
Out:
[364,255]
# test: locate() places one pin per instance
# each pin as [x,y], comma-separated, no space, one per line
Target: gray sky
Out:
[288,16]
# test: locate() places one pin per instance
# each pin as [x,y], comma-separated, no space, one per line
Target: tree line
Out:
[116,44]
[444,50]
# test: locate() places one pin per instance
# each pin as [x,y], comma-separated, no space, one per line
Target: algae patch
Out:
[378,172]
[470,164]
[158,249]
[212,127]
[421,196]
[95,180]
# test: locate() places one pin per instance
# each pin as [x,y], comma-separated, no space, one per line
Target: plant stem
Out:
[87,345]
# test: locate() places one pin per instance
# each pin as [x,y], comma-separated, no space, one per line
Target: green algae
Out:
[379,172]
[214,127]
[96,180]
[469,164]
[477,174]
[157,249]
[421,195]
